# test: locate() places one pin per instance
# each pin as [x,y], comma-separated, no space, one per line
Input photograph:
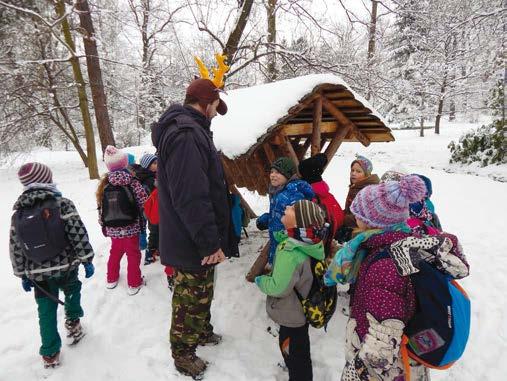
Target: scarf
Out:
[345,265]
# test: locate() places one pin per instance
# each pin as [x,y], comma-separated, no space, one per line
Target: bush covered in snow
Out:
[487,144]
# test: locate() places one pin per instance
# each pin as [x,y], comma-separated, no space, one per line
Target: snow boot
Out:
[190,365]
[74,331]
[148,257]
[134,290]
[210,339]
[51,361]
[111,285]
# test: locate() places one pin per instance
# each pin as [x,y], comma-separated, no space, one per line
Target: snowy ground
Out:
[127,337]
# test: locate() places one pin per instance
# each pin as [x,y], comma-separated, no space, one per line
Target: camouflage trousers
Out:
[192,296]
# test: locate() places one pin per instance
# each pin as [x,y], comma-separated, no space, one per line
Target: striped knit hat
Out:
[387,204]
[147,159]
[364,163]
[309,214]
[115,159]
[31,173]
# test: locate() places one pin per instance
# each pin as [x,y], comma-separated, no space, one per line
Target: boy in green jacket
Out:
[304,223]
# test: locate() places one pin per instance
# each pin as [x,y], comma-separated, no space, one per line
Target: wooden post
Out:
[344,121]
[341,133]
[269,152]
[317,119]
[261,175]
[288,148]
[304,148]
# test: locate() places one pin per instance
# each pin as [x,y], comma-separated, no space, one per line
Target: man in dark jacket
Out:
[194,217]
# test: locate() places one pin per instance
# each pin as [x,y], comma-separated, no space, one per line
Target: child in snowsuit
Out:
[311,170]
[383,298]
[48,241]
[152,214]
[360,177]
[285,189]
[125,235]
[422,213]
[292,271]
[146,172]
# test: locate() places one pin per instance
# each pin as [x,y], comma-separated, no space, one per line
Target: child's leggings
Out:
[129,246]
[295,348]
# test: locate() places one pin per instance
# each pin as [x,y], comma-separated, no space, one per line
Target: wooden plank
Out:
[262,173]
[337,140]
[298,129]
[343,120]
[317,120]
[346,103]
[289,150]
[236,173]
[269,152]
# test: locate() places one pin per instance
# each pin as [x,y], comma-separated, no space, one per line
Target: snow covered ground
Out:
[127,336]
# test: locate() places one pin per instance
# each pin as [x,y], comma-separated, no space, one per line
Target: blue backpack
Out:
[437,333]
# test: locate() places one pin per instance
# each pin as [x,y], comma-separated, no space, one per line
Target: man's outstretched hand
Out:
[217,257]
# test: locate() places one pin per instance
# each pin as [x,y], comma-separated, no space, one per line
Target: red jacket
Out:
[151,208]
[333,209]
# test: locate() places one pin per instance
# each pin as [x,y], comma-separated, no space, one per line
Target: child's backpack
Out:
[334,217]
[41,230]
[437,334]
[320,304]
[119,207]
[151,208]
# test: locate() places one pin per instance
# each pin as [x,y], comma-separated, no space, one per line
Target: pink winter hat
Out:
[387,204]
[115,159]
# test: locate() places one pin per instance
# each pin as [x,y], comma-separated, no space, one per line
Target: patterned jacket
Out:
[126,179]
[383,299]
[78,251]
[293,191]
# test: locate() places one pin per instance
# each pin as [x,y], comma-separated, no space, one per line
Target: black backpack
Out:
[119,207]
[41,230]
[320,304]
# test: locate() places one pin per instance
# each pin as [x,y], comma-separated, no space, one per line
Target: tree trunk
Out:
[271,14]
[452,110]
[95,76]
[439,115]
[231,46]
[81,89]
[371,41]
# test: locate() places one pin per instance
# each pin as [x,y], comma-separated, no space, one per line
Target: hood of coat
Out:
[287,243]
[170,115]
[32,196]
[122,177]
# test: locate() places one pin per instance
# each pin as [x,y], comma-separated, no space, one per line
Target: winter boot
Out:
[111,285]
[148,257]
[190,365]
[51,361]
[134,290]
[74,331]
[210,339]
[170,282]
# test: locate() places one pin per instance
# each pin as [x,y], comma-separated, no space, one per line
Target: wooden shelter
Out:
[320,121]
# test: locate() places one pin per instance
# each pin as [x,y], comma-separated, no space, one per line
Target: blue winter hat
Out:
[147,159]
[131,158]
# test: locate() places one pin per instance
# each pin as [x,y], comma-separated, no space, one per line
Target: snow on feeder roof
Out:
[286,118]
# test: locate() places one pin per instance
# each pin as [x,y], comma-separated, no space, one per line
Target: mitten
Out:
[89,269]
[26,284]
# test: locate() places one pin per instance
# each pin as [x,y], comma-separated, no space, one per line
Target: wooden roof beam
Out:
[344,121]
[335,143]
[317,120]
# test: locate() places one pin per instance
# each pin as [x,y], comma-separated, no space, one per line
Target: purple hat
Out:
[115,159]
[31,173]
[364,163]
[387,204]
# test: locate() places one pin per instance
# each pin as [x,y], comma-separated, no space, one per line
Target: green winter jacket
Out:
[291,270]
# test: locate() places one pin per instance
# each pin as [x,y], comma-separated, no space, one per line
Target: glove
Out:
[143,244]
[89,269]
[26,284]
[260,224]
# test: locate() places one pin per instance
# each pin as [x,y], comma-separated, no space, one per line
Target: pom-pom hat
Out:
[387,204]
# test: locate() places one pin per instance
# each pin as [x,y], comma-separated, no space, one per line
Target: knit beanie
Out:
[391,176]
[147,159]
[115,159]
[387,204]
[309,214]
[364,163]
[30,173]
[311,169]
[285,166]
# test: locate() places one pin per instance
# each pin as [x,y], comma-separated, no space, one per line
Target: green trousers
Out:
[191,304]
[71,287]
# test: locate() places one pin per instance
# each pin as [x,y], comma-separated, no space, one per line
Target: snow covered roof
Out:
[254,112]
